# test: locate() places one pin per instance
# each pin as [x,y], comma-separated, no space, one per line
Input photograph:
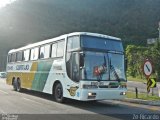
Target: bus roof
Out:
[62,37]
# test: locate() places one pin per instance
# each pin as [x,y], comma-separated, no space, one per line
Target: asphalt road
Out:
[30,105]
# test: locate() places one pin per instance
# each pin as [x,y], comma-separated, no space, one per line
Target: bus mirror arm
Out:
[126,64]
[81,60]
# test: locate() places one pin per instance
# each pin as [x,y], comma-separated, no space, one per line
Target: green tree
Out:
[136,56]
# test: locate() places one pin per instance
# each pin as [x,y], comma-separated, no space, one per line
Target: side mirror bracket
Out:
[126,64]
[81,60]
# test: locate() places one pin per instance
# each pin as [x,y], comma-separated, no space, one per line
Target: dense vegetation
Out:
[136,56]
[28,21]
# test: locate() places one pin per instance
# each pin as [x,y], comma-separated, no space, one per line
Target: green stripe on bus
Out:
[41,75]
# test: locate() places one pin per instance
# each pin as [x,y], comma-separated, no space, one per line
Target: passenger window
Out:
[34,53]
[26,55]
[45,51]
[9,58]
[54,50]
[19,56]
[57,49]
[42,52]
[13,57]
[60,49]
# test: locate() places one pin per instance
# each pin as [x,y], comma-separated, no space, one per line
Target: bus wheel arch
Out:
[57,91]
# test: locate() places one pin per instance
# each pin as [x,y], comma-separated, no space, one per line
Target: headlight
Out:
[123,93]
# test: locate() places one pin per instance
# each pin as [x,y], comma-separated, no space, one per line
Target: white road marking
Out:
[3,92]
[31,100]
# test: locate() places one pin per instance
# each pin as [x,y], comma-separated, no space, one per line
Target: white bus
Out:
[80,65]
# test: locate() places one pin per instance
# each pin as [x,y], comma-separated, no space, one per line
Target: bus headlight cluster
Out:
[123,93]
[91,95]
[89,86]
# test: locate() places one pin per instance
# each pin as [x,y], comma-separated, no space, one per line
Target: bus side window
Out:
[9,58]
[26,55]
[54,50]
[13,57]
[60,49]
[41,52]
[45,51]
[19,56]
[34,53]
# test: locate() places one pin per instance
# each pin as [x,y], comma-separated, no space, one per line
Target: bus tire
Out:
[58,93]
[18,85]
[14,83]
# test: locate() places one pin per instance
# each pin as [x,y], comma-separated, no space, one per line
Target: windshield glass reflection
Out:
[103,66]
[96,66]
[117,71]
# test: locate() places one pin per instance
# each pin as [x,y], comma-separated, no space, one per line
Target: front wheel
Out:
[58,93]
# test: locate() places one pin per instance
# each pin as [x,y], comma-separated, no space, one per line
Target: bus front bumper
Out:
[91,94]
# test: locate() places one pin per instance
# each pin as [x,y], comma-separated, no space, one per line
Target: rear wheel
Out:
[58,93]
[16,85]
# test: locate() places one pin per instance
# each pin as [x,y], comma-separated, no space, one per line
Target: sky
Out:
[4,3]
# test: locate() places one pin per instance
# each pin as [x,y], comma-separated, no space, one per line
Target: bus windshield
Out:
[101,43]
[103,66]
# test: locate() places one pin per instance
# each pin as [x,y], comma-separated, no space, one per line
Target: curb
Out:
[140,101]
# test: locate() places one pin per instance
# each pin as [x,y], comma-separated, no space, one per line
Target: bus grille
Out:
[108,86]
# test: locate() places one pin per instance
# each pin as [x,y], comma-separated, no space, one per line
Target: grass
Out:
[142,96]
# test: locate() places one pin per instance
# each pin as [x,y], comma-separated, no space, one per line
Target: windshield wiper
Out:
[112,69]
[114,73]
